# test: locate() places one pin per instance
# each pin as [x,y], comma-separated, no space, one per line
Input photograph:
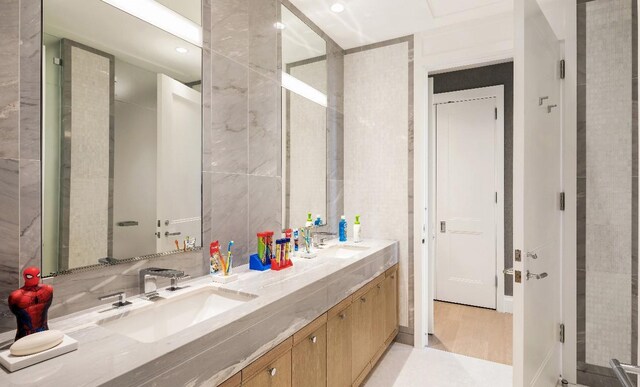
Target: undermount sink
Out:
[343,251]
[169,316]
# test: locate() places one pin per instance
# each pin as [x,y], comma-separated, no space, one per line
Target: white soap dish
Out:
[224,279]
[14,363]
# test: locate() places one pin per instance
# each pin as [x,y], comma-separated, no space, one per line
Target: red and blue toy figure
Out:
[31,303]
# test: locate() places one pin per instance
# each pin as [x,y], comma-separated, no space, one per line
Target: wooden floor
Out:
[475,332]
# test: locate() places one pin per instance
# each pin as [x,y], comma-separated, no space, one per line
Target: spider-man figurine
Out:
[31,303]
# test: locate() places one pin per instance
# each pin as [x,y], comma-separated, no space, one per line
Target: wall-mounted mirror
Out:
[304,121]
[122,124]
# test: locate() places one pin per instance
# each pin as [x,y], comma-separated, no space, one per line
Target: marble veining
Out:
[211,351]
[9,78]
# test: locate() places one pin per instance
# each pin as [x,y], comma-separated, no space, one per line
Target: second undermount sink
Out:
[169,316]
[343,251]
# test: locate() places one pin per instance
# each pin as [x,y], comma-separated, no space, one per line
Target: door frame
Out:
[496,92]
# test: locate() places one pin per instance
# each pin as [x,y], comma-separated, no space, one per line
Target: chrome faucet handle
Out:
[174,282]
[122,299]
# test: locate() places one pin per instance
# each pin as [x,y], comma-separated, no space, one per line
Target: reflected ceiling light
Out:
[162,17]
[337,7]
[297,86]
[182,50]
[280,26]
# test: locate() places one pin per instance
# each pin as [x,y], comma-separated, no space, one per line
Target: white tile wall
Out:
[89,192]
[376,107]
[609,194]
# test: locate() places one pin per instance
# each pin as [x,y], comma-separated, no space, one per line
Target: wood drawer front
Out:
[276,374]
[234,381]
[309,358]
[339,348]
[304,333]
[263,362]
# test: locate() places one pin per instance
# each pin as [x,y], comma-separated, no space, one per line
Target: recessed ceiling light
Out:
[337,8]
[280,26]
[182,50]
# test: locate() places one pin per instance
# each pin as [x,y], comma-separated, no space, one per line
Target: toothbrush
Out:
[229,257]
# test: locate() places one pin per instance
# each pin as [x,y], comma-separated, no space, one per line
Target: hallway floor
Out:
[475,332]
[405,366]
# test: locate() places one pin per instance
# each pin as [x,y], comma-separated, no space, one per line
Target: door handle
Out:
[443,226]
[167,233]
[536,276]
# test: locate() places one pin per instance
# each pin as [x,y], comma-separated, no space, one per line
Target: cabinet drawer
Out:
[276,374]
[264,362]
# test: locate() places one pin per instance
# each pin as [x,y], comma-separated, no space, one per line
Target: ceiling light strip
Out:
[297,86]
[162,17]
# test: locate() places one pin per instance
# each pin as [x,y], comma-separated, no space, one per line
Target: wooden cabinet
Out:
[310,355]
[271,370]
[391,302]
[234,381]
[339,348]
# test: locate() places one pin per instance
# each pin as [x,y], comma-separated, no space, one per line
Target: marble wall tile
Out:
[229,212]
[207,71]
[9,78]
[263,55]
[207,214]
[10,233]
[229,138]
[335,77]
[265,209]
[30,214]
[230,28]
[30,67]
[335,203]
[264,129]
[81,290]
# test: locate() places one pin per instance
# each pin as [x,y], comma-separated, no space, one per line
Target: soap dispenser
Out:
[357,238]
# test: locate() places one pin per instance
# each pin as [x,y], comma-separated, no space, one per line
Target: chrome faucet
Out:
[148,287]
[319,237]
[122,299]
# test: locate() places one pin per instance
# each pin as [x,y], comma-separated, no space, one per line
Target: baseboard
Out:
[507,304]
[405,336]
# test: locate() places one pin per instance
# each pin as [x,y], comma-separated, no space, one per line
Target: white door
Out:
[467,187]
[179,163]
[537,352]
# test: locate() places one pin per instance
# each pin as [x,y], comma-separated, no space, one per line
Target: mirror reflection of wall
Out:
[122,122]
[304,121]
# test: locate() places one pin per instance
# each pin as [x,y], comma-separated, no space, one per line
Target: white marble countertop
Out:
[287,300]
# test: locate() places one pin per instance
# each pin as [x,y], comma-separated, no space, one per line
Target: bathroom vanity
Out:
[323,322]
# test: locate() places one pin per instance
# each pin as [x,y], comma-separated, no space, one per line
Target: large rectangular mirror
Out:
[122,130]
[304,121]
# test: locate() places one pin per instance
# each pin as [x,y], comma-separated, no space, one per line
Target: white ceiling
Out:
[370,21]
[106,28]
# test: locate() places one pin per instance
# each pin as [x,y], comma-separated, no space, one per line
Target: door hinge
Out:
[518,256]
[443,226]
[496,110]
[57,61]
[562,69]
[496,280]
[562,333]
[496,197]
[562,204]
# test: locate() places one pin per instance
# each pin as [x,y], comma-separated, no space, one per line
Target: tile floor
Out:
[405,366]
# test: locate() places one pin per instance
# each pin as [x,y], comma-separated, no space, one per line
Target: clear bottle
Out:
[357,237]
